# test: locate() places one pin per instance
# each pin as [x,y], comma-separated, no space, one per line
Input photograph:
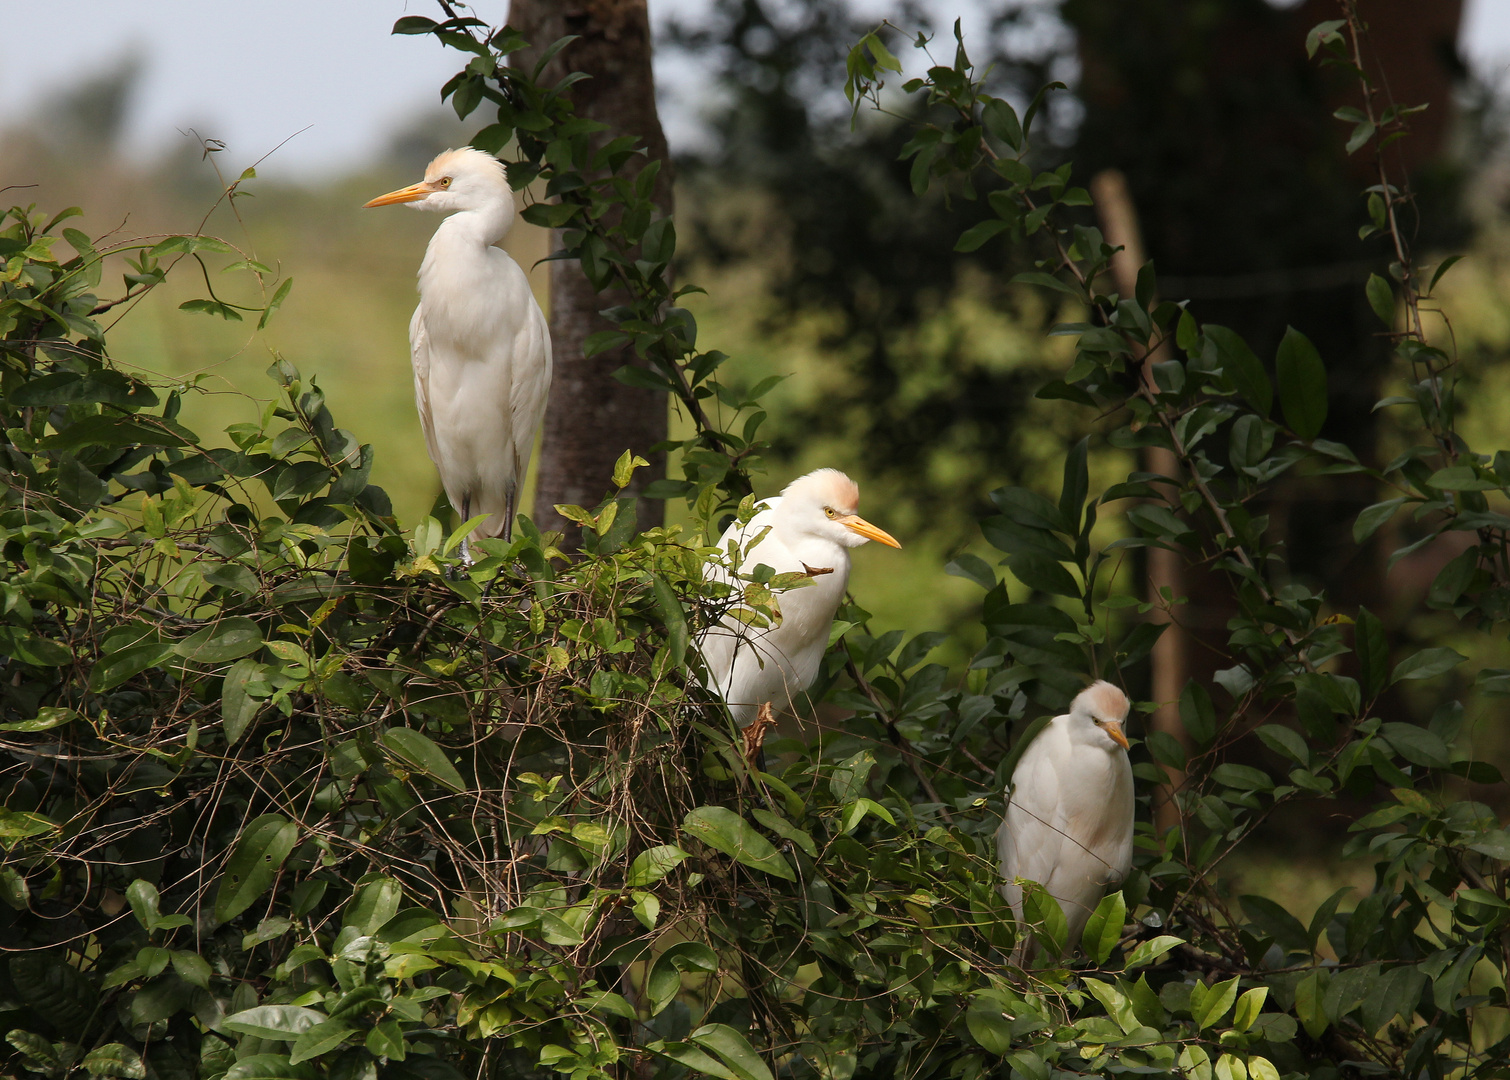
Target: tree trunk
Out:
[593,418]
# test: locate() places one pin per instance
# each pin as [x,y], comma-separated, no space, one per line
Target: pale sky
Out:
[256,72]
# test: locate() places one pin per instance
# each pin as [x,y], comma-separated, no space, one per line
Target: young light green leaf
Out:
[1104,928]
[1147,952]
[1208,1004]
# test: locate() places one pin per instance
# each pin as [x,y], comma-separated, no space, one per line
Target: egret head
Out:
[1105,708]
[823,504]
[465,179]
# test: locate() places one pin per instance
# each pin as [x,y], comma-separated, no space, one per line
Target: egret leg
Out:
[466,515]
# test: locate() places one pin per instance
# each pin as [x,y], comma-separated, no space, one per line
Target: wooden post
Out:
[1119,224]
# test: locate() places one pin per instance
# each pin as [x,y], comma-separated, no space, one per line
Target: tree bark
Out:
[592,418]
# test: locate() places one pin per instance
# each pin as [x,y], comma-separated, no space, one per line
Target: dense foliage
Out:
[292,794]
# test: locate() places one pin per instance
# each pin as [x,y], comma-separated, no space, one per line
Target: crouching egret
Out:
[1069,818]
[480,345]
[812,526]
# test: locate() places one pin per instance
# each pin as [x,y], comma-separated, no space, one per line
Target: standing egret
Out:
[1069,818]
[808,529]
[479,342]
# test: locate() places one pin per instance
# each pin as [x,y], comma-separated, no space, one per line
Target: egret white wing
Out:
[419,358]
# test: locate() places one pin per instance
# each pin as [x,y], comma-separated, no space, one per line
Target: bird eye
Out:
[830,511]
[445,181]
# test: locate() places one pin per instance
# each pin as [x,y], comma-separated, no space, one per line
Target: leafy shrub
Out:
[290,793]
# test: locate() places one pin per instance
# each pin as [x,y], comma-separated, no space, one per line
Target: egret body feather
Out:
[479,343]
[1069,817]
[809,529]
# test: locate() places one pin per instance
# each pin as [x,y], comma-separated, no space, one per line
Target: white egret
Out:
[1069,817]
[812,526]
[480,345]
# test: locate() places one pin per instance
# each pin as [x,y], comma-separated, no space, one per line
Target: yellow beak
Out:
[408,194]
[855,523]
[1114,729]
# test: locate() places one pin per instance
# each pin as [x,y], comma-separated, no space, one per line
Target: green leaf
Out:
[1248,1008]
[1381,297]
[1302,384]
[733,1049]
[143,898]
[1104,928]
[386,1040]
[320,1039]
[258,856]
[374,904]
[1197,712]
[1373,650]
[279,1023]
[268,1067]
[18,825]
[192,968]
[1208,1004]
[972,567]
[1426,664]
[1147,952]
[665,980]
[1044,917]
[1242,777]
[673,617]
[114,1059]
[414,24]
[276,302]
[35,1049]
[651,865]
[1075,485]
[989,1025]
[1001,121]
[225,640]
[1310,1007]
[1372,517]
[977,234]
[417,751]
[47,718]
[1279,924]
[1244,369]
[237,707]
[1446,265]
[1043,574]
[693,1058]
[1418,745]
[115,668]
[725,831]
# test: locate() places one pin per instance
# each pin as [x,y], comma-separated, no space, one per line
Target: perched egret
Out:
[811,528]
[479,342]
[1069,819]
